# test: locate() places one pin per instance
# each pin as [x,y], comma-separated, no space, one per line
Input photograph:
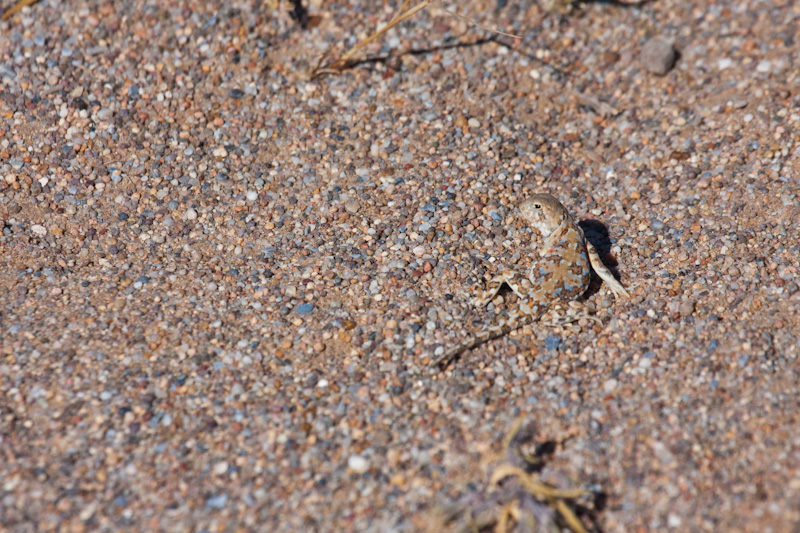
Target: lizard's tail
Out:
[493,332]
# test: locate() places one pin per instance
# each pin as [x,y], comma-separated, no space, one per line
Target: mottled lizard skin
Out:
[562,273]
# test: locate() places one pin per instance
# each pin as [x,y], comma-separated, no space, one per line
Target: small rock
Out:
[764,66]
[609,58]
[686,308]
[610,385]
[658,56]
[39,230]
[190,214]
[357,464]
[217,502]
[304,309]
[552,342]
[352,206]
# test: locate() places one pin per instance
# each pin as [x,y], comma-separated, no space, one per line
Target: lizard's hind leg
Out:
[494,285]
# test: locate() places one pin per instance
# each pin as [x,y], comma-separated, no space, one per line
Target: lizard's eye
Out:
[537,206]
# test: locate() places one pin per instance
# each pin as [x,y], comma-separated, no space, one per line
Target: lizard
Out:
[562,273]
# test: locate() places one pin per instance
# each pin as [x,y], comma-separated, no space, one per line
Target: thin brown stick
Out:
[17,8]
[403,13]
[476,23]
[342,61]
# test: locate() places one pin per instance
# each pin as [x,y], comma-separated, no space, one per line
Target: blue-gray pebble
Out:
[304,309]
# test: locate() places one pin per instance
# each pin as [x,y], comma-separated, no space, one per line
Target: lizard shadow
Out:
[597,233]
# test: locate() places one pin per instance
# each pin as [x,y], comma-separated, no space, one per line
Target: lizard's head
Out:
[544,212]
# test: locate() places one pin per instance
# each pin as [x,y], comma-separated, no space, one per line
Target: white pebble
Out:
[252,196]
[610,385]
[220,468]
[190,214]
[357,464]
[38,229]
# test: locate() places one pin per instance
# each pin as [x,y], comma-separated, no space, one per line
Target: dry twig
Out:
[514,496]
[404,12]
[11,11]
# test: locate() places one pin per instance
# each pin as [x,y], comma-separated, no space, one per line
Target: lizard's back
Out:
[562,271]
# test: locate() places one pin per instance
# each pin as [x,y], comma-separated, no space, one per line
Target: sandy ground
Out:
[221,284]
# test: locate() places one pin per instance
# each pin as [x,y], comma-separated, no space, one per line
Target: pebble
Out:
[724,63]
[217,502]
[304,309]
[552,342]
[658,56]
[352,206]
[39,230]
[357,464]
[190,214]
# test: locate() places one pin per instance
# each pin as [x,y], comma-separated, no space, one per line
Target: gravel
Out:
[222,282]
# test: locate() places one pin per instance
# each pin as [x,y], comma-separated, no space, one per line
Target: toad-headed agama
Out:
[562,273]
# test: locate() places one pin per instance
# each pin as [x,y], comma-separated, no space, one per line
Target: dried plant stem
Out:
[16,8]
[397,19]
[403,13]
